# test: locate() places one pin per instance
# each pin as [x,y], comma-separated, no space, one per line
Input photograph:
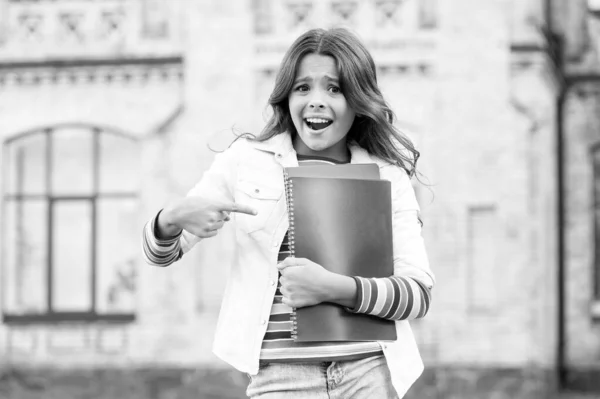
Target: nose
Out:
[316,101]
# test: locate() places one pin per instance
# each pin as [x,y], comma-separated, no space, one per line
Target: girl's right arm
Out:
[157,250]
[182,224]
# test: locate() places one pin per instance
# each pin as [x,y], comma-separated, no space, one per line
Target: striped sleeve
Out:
[392,298]
[159,252]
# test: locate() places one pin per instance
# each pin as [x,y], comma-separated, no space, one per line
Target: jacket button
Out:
[279,155]
[256,190]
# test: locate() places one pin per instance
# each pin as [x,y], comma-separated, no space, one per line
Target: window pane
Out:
[596,168]
[25,236]
[118,254]
[597,252]
[596,182]
[72,162]
[118,164]
[71,256]
[26,165]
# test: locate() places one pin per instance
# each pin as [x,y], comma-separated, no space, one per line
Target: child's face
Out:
[319,110]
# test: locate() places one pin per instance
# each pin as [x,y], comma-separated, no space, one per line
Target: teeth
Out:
[316,120]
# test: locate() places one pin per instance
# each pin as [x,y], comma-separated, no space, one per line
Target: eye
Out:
[301,88]
[335,89]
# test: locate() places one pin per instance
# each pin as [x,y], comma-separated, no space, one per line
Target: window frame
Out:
[51,315]
[595,208]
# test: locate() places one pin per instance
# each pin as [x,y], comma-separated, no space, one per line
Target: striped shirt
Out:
[160,251]
[279,346]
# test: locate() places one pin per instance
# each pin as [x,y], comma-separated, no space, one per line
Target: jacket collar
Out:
[281,146]
[278,144]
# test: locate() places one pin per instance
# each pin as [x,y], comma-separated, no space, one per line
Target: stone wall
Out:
[492,224]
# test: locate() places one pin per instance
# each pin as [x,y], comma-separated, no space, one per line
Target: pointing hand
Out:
[201,216]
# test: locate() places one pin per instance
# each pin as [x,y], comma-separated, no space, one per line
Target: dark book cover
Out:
[345,225]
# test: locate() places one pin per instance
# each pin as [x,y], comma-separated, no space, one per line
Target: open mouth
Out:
[317,123]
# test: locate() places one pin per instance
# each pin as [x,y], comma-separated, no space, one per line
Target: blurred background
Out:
[107,112]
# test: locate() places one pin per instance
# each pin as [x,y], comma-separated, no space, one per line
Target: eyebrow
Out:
[308,79]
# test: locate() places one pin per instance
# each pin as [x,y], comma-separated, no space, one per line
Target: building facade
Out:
[109,109]
[577,27]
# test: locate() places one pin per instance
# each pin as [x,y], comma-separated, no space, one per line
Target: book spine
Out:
[289,197]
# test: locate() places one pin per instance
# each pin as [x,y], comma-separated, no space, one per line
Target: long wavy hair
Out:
[373,127]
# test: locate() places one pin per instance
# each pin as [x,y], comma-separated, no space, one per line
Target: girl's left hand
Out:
[303,282]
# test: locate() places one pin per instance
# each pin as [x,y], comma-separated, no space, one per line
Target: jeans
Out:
[367,378]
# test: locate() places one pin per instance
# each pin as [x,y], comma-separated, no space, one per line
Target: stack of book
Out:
[340,217]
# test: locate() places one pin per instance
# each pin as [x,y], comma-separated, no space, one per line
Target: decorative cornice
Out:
[409,69]
[88,72]
[405,69]
[56,63]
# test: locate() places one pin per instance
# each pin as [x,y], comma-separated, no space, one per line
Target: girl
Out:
[327,109]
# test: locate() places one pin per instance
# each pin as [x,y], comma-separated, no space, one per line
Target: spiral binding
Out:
[289,185]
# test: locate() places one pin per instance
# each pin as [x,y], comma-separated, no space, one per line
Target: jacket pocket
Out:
[261,197]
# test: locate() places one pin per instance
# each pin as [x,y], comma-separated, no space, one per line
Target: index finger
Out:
[287,262]
[237,208]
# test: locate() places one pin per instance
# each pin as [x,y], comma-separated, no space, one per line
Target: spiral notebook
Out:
[345,225]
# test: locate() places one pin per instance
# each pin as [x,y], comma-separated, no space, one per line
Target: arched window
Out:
[70,229]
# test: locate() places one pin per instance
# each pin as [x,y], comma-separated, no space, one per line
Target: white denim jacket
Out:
[252,173]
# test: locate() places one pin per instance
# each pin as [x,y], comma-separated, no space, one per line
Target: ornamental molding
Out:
[281,17]
[121,75]
[397,32]
[41,29]
[416,69]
